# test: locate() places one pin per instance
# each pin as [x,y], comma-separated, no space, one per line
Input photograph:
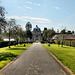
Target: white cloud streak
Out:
[28,7]
[25,7]
[17,17]
[59,24]
[58,8]
[27,18]
[33,3]
[42,21]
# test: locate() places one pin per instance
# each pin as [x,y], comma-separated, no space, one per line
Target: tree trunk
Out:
[9,38]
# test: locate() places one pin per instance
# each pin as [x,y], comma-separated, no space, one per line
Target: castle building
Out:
[36,34]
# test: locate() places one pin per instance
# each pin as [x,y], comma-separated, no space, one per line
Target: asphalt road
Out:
[34,61]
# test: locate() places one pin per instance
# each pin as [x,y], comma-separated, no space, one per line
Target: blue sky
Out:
[58,14]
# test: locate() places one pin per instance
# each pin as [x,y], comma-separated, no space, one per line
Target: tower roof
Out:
[36,28]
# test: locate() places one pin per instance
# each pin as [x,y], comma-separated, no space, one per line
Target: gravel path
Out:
[34,61]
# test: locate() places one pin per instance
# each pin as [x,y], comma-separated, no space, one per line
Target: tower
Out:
[37,34]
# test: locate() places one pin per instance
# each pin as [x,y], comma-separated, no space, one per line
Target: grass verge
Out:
[6,54]
[65,54]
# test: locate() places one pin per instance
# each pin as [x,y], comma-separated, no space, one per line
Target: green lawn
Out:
[65,54]
[6,54]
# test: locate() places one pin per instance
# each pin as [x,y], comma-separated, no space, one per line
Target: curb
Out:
[65,68]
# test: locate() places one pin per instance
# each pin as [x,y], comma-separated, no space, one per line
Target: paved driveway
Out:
[34,61]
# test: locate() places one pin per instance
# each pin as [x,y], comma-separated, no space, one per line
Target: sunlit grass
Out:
[65,54]
[7,54]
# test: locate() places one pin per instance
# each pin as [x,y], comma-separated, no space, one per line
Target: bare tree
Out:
[10,26]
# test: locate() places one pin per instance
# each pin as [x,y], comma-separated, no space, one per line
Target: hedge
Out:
[6,43]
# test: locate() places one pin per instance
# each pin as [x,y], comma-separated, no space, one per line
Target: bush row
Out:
[47,42]
[26,42]
[6,43]
[66,42]
[69,43]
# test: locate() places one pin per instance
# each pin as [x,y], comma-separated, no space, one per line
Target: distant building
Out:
[37,34]
[69,37]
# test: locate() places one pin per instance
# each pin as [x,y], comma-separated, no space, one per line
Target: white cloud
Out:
[25,7]
[33,3]
[42,21]
[27,18]
[29,2]
[17,17]
[36,4]
[59,24]
[21,8]
[28,7]
[58,8]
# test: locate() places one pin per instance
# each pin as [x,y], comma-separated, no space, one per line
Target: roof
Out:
[55,37]
[69,36]
[66,36]
[36,28]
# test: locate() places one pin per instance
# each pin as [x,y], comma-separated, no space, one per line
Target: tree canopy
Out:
[28,26]
[48,34]
[2,18]
[2,11]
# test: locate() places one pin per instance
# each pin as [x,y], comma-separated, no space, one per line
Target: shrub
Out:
[1,38]
[73,43]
